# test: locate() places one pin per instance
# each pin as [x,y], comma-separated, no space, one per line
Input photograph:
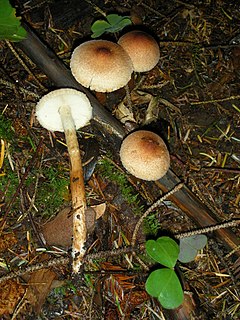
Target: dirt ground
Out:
[191,99]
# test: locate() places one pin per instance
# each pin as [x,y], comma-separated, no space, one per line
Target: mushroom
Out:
[67,110]
[145,155]
[142,48]
[101,65]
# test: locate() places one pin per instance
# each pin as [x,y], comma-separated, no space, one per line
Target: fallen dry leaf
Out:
[10,294]
[123,113]
[39,286]
[7,240]
[59,231]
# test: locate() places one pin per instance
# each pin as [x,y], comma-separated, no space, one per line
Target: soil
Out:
[191,98]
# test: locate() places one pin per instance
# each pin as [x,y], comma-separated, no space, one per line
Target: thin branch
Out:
[149,210]
[215,100]
[24,64]
[21,89]
[64,260]
[223,225]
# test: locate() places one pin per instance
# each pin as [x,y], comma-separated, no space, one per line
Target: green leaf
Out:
[165,251]
[165,285]
[6,8]
[10,25]
[113,24]
[120,25]
[189,247]
[99,27]
[114,18]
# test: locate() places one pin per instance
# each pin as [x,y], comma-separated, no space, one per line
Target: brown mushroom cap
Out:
[142,49]
[145,155]
[101,65]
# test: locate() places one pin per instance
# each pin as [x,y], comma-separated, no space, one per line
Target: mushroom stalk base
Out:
[77,188]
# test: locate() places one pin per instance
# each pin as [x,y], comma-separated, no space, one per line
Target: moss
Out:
[151,225]
[108,170]
[6,129]
[52,190]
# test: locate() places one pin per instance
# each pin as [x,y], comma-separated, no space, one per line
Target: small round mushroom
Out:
[145,155]
[142,48]
[67,110]
[101,65]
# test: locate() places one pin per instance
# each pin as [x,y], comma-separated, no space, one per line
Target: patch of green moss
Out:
[8,185]
[151,224]
[6,129]
[52,190]
[108,170]
[111,172]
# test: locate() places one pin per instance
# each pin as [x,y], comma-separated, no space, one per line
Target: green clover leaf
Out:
[113,24]
[165,251]
[10,25]
[165,285]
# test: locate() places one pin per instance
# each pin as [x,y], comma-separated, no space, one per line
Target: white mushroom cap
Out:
[47,109]
[101,65]
[145,155]
[142,48]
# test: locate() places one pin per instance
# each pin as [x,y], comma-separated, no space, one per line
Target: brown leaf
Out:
[10,294]
[99,209]
[132,300]
[123,113]
[152,111]
[59,231]
[7,240]
[39,286]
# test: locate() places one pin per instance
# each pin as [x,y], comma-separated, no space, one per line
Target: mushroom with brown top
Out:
[145,155]
[101,65]
[142,48]
[67,110]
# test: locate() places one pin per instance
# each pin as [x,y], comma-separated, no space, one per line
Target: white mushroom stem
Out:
[67,110]
[77,188]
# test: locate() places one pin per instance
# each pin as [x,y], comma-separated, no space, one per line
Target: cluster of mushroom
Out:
[105,66]
[102,66]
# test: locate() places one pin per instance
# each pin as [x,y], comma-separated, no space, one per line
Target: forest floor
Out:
[191,98]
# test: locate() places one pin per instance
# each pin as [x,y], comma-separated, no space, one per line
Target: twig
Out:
[21,89]
[21,183]
[149,210]
[24,64]
[223,225]
[156,12]
[96,8]
[215,100]
[64,260]
[223,170]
